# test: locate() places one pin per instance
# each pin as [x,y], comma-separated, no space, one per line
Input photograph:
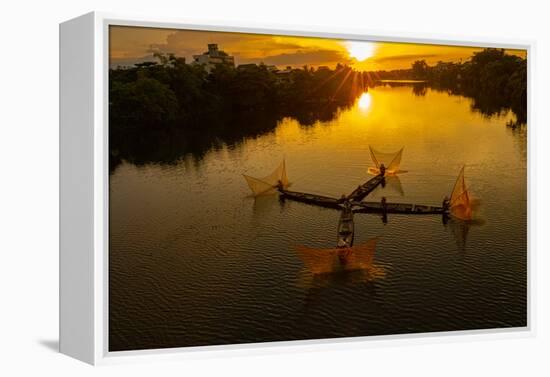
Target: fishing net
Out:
[461,205]
[259,186]
[317,261]
[322,261]
[268,184]
[359,257]
[392,161]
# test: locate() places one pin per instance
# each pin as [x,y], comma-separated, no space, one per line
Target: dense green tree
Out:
[420,69]
[143,103]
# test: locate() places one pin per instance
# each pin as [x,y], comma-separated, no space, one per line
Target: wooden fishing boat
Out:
[346,228]
[403,208]
[360,206]
[366,188]
[318,200]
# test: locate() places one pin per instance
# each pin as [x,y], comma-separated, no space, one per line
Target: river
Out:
[195,260]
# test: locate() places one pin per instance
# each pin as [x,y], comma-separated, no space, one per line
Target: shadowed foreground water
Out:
[195,261]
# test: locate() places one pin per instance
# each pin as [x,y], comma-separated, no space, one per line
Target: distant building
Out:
[244,67]
[213,57]
[285,75]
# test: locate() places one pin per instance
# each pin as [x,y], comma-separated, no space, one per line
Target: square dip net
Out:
[391,161]
[268,185]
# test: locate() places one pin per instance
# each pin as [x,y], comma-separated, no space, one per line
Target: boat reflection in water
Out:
[262,206]
[393,183]
[461,228]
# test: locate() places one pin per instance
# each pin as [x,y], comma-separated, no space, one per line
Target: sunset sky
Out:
[129,45]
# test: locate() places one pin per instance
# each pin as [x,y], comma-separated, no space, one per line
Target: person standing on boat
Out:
[347,205]
[382,169]
[446,204]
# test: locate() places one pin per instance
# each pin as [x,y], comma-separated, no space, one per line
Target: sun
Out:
[360,50]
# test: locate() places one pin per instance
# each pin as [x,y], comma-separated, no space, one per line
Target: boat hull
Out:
[403,208]
[346,228]
[318,200]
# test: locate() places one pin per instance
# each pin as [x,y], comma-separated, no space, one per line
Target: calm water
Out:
[195,261]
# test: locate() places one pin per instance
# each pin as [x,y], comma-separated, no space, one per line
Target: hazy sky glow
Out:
[129,45]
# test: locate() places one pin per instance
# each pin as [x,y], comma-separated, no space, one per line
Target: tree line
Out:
[495,80]
[172,93]
[160,110]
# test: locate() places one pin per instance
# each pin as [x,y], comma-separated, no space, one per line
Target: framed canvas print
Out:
[226,187]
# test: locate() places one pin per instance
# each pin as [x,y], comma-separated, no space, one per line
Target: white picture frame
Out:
[84,188]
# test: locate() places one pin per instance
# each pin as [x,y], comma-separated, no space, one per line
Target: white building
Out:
[212,57]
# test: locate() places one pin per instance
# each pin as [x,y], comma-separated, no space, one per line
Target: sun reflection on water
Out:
[364,101]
